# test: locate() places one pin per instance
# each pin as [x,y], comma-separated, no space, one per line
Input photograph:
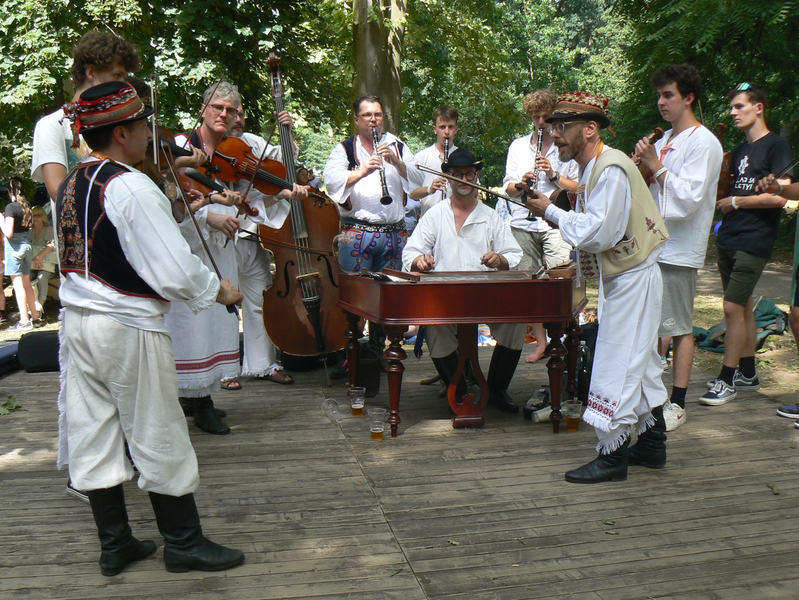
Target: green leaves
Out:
[9,405]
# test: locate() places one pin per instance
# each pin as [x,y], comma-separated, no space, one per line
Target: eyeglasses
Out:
[469,176]
[742,87]
[560,126]
[220,108]
[368,116]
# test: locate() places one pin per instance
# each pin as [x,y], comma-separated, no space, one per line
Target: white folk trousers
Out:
[122,385]
[626,381]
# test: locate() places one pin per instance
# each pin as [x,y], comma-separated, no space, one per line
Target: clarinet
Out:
[386,199]
[533,181]
[446,160]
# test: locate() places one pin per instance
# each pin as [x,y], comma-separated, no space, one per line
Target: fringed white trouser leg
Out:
[626,376]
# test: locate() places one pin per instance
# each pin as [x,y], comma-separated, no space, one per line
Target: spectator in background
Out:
[44,263]
[18,253]
[3,317]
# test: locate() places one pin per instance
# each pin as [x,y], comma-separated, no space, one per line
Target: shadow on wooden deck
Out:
[324,512]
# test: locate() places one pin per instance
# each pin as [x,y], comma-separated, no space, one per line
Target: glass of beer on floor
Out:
[377,419]
[357,399]
[572,409]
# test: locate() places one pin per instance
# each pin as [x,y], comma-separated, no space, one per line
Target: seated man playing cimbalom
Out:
[463,234]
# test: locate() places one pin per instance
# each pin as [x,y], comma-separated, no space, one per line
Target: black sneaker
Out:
[742,384]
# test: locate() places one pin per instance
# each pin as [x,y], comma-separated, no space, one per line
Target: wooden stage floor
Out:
[322,512]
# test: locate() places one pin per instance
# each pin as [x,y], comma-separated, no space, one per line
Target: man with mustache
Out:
[620,235]
[463,234]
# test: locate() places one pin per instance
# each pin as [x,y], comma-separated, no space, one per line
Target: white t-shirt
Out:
[52,143]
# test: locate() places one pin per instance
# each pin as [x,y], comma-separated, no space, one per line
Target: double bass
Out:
[300,309]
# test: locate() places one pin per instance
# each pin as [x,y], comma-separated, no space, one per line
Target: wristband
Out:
[660,172]
[734,205]
[780,192]
[429,189]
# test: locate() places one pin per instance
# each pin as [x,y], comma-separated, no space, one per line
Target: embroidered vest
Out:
[645,228]
[97,248]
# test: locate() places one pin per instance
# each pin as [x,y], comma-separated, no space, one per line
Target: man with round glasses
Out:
[373,233]
[463,234]
[541,243]
[620,234]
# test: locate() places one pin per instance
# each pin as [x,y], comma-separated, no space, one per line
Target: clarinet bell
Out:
[386,200]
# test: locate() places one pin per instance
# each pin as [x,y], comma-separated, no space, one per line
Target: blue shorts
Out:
[18,255]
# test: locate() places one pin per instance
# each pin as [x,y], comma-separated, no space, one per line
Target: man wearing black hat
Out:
[463,234]
[124,260]
[619,232]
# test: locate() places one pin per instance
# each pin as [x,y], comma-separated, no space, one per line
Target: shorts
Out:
[679,291]
[18,255]
[740,272]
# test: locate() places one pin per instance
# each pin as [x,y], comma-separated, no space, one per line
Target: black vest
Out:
[106,260]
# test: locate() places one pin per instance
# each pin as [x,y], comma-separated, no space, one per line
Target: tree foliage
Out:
[481,57]
[729,41]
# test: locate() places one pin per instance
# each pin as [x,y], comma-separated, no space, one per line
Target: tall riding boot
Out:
[119,547]
[186,547]
[446,367]
[605,467]
[500,372]
[187,404]
[650,449]
[206,418]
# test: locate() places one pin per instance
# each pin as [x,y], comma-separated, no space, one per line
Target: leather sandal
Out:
[231,384]
[280,377]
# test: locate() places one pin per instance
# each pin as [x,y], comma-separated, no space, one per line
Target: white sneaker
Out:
[719,394]
[674,416]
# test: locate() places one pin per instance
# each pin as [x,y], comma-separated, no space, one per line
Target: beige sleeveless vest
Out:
[645,228]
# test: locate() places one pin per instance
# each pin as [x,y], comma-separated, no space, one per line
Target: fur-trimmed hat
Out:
[105,105]
[582,105]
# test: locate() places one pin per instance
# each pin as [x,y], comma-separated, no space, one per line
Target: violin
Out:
[726,177]
[234,159]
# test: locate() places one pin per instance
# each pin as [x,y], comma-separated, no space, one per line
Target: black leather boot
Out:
[187,404]
[206,418]
[186,547]
[650,449]
[119,547]
[446,368]
[605,467]
[500,372]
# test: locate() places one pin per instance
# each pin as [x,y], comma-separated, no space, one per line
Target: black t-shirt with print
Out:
[14,209]
[754,230]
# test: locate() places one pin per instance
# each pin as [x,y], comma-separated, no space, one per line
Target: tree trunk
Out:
[378,32]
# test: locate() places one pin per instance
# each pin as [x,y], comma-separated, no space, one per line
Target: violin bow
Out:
[231,308]
[258,166]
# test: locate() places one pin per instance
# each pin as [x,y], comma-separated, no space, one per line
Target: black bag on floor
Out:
[8,357]
[38,351]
